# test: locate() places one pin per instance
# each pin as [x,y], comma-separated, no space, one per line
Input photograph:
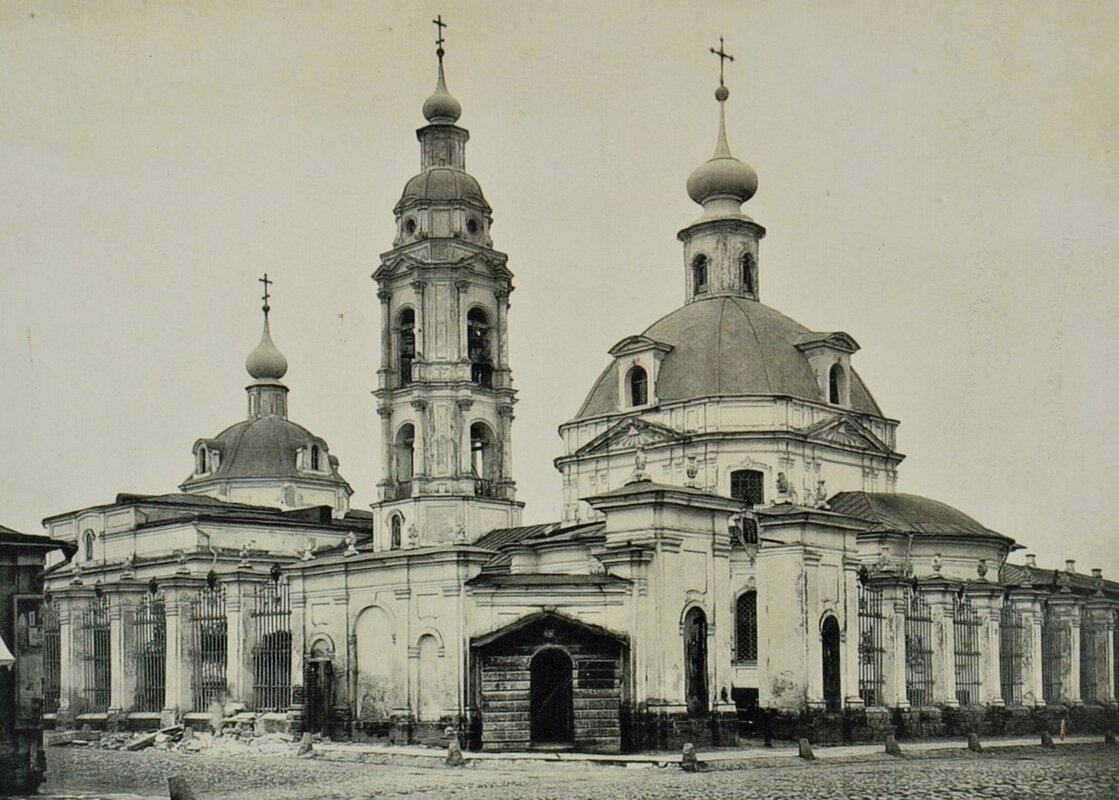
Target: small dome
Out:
[262,448]
[443,183]
[266,362]
[722,176]
[441,108]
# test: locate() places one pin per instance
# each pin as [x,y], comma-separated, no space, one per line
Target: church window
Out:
[201,460]
[478,347]
[638,385]
[699,274]
[748,267]
[472,225]
[406,336]
[87,543]
[746,627]
[405,459]
[748,487]
[315,457]
[396,523]
[410,226]
[835,384]
[482,461]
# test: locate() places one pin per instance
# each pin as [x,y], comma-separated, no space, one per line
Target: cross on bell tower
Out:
[724,57]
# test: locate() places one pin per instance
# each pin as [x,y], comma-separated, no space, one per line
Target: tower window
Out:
[746,627]
[836,378]
[315,457]
[749,264]
[410,226]
[699,274]
[472,225]
[482,461]
[405,455]
[478,347]
[87,543]
[638,385]
[396,523]
[406,337]
[748,486]
[201,466]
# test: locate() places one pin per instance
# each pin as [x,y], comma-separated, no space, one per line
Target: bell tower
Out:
[444,391]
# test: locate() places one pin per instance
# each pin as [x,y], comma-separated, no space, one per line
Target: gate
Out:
[1012,652]
[96,652]
[271,627]
[209,626]
[150,627]
[52,657]
[870,645]
[965,632]
[1051,635]
[918,650]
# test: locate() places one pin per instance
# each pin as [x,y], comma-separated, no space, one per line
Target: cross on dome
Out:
[266,362]
[441,108]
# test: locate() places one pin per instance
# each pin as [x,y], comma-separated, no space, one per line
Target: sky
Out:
[938,179]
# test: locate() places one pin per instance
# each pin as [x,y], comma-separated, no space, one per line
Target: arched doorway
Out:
[551,699]
[318,687]
[833,695]
[695,662]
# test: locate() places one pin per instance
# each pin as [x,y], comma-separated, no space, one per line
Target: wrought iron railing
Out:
[870,645]
[52,657]
[918,650]
[1089,632]
[96,655]
[966,628]
[150,627]
[208,628]
[484,488]
[1051,645]
[1013,638]
[271,631]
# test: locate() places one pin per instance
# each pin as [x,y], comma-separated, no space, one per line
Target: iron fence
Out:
[966,629]
[209,626]
[96,655]
[870,645]
[1013,638]
[1088,634]
[150,628]
[271,628]
[52,657]
[1051,641]
[918,650]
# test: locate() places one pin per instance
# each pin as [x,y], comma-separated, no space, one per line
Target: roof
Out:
[503,539]
[263,447]
[15,539]
[547,617]
[727,345]
[1053,579]
[908,513]
[443,183]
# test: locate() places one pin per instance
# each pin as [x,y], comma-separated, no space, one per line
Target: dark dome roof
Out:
[726,346]
[264,447]
[443,183]
[908,513]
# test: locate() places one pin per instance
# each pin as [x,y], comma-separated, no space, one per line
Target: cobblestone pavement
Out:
[1084,772]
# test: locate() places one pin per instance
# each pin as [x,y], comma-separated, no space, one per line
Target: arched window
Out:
[201,466]
[748,268]
[836,378]
[748,486]
[695,662]
[87,543]
[478,347]
[746,627]
[406,338]
[699,274]
[396,523]
[483,462]
[829,634]
[410,226]
[315,457]
[404,465]
[638,386]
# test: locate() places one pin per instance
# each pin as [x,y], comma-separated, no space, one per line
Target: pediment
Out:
[630,434]
[835,340]
[846,432]
[638,344]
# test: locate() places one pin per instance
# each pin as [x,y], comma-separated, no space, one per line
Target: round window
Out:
[472,225]
[410,226]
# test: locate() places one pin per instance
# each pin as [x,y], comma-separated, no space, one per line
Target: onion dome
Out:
[722,177]
[441,108]
[266,362]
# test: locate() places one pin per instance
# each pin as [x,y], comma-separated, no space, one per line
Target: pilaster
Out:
[987,602]
[894,608]
[1064,614]
[940,595]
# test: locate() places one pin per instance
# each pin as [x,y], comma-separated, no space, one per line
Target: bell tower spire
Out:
[721,247]
[445,391]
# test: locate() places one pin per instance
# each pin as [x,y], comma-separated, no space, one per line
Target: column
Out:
[501,356]
[850,651]
[418,289]
[1028,603]
[238,651]
[459,336]
[69,679]
[894,609]
[387,367]
[987,601]
[940,594]
[388,474]
[117,700]
[174,662]
[505,432]
[814,649]
[1064,614]
[1098,613]
[421,459]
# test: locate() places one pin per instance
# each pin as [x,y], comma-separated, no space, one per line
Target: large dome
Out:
[726,346]
[442,184]
[264,447]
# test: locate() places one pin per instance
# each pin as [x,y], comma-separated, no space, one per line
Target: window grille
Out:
[150,626]
[1013,637]
[638,387]
[208,626]
[746,627]
[918,650]
[1051,641]
[966,629]
[271,629]
[96,655]
[406,333]
[748,486]
[52,657]
[699,275]
[1088,635]
[870,645]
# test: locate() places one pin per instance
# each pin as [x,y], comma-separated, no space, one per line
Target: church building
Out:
[733,558]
